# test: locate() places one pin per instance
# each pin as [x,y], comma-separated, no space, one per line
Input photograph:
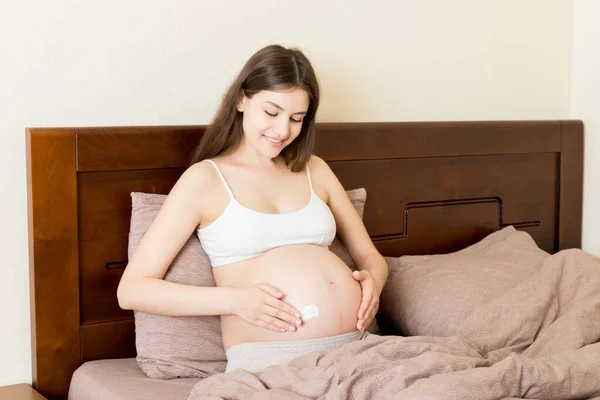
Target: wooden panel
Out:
[104,218]
[108,340]
[446,226]
[359,141]
[52,208]
[122,148]
[525,185]
[571,185]
[118,148]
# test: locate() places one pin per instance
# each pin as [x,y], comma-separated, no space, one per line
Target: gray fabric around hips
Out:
[255,356]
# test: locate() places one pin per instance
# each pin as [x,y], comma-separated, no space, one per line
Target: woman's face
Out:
[273,119]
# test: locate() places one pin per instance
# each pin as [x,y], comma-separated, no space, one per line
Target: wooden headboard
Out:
[431,188]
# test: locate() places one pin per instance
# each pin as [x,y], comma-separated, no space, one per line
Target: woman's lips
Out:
[274,142]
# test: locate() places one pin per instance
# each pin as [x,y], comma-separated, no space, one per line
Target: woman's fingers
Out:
[266,325]
[278,324]
[363,309]
[270,289]
[273,313]
[288,313]
[367,299]
[368,315]
[282,316]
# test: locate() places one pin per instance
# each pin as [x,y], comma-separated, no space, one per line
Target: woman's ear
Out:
[241,101]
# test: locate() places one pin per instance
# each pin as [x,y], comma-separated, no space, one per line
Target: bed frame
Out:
[432,187]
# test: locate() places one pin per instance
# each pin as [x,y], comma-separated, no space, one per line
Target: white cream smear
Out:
[309,312]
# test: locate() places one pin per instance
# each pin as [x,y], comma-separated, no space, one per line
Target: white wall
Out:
[585,105]
[66,63]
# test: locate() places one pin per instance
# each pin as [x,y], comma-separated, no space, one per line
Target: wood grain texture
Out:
[119,148]
[123,148]
[523,184]
[54,266]
[380,140]
[571,185]
[114,339]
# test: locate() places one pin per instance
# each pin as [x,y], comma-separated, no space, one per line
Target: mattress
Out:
[122,379]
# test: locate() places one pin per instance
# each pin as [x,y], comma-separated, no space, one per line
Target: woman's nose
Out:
[282,128]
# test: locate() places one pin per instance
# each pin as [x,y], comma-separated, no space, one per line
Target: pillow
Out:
[357,197]
[430,295]
[173,347]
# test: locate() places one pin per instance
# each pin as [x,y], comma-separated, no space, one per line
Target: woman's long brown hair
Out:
[271,68]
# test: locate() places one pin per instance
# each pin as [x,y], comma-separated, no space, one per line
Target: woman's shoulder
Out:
[318,166]
[200,176]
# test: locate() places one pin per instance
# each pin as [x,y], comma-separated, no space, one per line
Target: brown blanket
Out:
[537,340]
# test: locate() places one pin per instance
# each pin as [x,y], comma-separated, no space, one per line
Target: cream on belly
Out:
[313,280]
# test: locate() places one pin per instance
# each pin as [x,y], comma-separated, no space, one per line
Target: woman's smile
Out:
[277,143]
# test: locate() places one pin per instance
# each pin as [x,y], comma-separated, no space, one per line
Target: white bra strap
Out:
[221,176]
[309,180]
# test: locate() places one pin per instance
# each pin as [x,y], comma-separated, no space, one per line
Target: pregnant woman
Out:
[265,210]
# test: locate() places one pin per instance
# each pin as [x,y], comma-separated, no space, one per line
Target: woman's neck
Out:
[248,155]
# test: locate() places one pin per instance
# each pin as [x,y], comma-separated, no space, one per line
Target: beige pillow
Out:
[430,295]
[172,347]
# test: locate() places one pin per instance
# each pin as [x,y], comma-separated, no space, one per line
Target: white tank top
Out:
[240,233]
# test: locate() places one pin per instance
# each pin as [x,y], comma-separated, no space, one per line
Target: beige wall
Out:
[139,62]
[585,105]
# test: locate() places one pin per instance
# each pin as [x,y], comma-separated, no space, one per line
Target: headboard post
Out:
[53,238]
[571,185]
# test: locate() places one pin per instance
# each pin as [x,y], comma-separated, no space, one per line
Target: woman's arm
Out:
[157,296]
[353,233]
[142,286]
[350,227]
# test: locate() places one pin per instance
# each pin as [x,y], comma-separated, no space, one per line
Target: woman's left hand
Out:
[370,299]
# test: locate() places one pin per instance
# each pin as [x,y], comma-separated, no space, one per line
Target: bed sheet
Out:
[122,379]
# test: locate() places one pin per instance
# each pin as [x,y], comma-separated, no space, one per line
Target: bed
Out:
[433,188]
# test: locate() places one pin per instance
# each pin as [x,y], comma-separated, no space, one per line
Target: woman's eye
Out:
[297,121]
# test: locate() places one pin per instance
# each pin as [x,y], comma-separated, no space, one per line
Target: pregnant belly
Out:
[307,275]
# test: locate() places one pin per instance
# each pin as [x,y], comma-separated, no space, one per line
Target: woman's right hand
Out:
[261,305]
